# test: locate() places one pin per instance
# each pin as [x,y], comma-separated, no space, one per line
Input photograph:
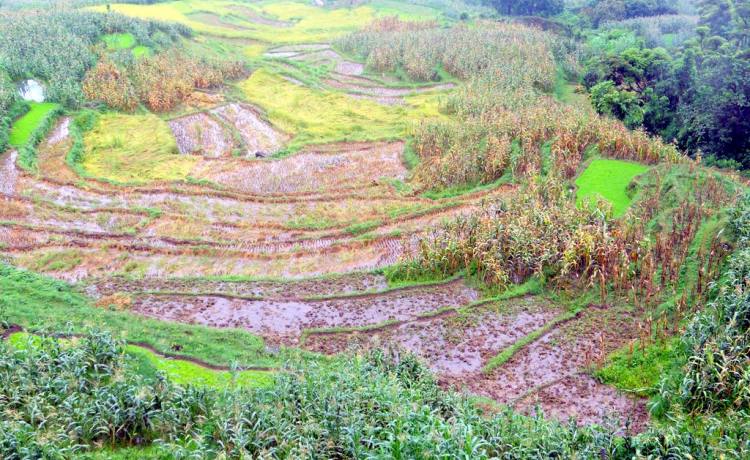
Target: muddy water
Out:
[60,133]
[549,371]
[451,344]
[283,320]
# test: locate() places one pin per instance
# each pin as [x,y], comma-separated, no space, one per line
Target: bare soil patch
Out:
[453,343]
[384,91]
[282,321]
[548,373]
[215,20]
[8,173]
[199,134]
[259,136]
[344,168]
[340,285]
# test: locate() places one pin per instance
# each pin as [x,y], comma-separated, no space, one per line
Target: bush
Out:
[159,82]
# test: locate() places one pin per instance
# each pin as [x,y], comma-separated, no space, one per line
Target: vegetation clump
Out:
[159,82]
[57,47]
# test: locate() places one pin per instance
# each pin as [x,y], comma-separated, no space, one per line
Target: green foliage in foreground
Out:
[41,303]
[184,372]
[148,364]
[63,400]
[717,375]
[608,179]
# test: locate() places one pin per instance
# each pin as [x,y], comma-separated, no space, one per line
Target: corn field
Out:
[61,400]
[542,232]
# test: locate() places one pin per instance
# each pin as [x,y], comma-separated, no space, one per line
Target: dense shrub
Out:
[516,51]
[524,140]
[57,399]
[8,98]
[669,30]
[159,82]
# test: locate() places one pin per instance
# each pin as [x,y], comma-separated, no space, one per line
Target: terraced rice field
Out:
[274,207]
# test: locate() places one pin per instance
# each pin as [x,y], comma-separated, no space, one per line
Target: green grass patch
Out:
[608,179]
[21,131]
[147,363]
[142,51]
[116,42]
[40,303]
[639,370]
[188,373]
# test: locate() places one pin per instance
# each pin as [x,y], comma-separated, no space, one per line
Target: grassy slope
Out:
[134,149]
[27,124]
[608,179]
[310,24]
[318,117]
[40,303]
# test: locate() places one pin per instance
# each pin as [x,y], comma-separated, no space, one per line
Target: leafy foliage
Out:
[57,47]
[697,95]
[62,400]
[718,339]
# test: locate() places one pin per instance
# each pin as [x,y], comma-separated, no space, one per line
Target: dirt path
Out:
[8,173]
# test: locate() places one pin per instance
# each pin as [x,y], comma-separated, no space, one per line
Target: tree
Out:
[528,7]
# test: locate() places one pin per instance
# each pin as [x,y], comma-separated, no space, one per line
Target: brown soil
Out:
[548,373]
[452,344]
[342,284]
[200,134]
[307,172]
[215,20]
[383,91]
[283,320]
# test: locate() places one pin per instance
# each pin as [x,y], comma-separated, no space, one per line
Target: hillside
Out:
[372,229]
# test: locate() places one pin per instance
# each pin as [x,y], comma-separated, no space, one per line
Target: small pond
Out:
[31,90]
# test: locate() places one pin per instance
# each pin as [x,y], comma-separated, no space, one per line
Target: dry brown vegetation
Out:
[159,82]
